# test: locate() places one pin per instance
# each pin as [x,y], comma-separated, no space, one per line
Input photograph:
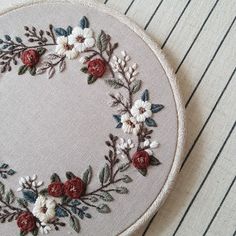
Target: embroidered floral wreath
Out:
[39,210]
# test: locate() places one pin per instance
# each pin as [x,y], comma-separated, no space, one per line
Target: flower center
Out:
[130,123]
[141,160]
[80,39]
[68,46]
[44,209]
[141,110]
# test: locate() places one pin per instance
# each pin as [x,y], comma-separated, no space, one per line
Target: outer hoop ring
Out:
[174,86]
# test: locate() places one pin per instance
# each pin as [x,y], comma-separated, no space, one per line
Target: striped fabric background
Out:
[199,38]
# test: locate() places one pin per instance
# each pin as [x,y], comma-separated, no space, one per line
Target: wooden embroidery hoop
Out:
[172,80]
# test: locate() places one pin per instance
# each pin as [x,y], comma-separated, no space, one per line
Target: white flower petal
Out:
[146,143]
[149,151]
[88,33]
[154,144]
[62,40]
[77,31]
[89,42]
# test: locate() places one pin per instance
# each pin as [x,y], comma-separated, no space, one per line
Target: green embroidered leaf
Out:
[87,175]
[150,122]
[102,41]
[35,232]
[22,69]
[11,172]
[41,51]
[145,96]
[154,161]
[10,197]
[106,196]
[23,233]
[124,167]
[84,23]
[122,190]
[115,83]
[55,178]
[127,179]
[32,70]
[43,192]
[2,188]
[93,199]
[70,175]
[104,174]
[91,79]
[84,69]
[74,223]
[22,202]
[143,171]
[103,208]
[18,40]
[136,86]
[7,37]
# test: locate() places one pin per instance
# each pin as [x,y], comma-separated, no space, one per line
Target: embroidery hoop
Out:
[172,80]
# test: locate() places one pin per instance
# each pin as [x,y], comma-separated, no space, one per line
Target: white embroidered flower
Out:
[64,48]
[148,145]
[81,39]
[44,209]
[45,229]
[124,145]
[141,110]
[130,125]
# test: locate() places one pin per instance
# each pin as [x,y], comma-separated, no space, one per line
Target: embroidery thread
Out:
[42,209]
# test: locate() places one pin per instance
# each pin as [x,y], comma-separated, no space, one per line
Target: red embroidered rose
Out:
[26,222]
[56,189]
[74,188]
[97,68]
[141,160]
[30,57]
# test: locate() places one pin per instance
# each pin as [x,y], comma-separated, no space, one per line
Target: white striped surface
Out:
[199,38]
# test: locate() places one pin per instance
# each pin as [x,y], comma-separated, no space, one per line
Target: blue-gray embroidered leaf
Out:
[154,161]
[87,175]
[75,203]
[117,118]
[122,190]
[55,178]
[136,85]
[84,23]
[119,125]
[150,122]
[69,30]
[102,41]
[70,175]
[74,223]
[60,32]
[123,167]
[104,174]
[103,208]
[106,196]
[22,202]
[29,196]
[126,179]
[2,188]
[10,197]
[60,212]
[115,83]
[156,108]
[145,96]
